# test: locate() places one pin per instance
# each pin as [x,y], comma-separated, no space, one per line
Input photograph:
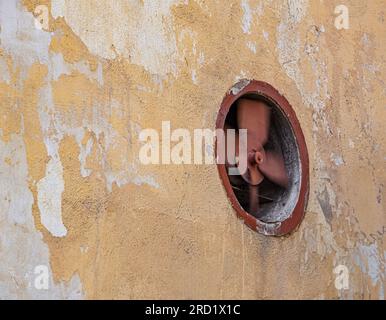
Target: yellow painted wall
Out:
[75,198]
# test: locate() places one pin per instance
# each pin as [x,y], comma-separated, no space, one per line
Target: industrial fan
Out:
[255,116]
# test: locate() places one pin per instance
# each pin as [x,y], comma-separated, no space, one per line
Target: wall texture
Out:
[75,198]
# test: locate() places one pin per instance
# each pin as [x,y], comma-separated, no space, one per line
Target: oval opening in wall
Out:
[271,194]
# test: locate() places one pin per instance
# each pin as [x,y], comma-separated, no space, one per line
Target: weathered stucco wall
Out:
[75,198]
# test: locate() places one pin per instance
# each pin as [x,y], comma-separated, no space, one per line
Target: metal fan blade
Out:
[254,116]
[274,169]
[254,175]
[253,200]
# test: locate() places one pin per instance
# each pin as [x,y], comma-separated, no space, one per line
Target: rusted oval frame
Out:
[267,91]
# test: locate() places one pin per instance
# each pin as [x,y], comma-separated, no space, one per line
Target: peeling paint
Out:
[16,24]
[22,247]
[144,36]
[75,198]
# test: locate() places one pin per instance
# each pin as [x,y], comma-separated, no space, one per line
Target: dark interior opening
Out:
[275,203]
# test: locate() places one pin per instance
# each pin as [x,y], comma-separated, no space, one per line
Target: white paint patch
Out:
[58,66]
[148,180]
[241,77]
[337,159]
[83,249]
[194,76]
[247,17]
[252,46]
[122,178]
[50,189]
[83,154]
[20,38]
[58,8]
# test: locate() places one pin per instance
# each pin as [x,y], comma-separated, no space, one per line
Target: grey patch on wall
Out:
[324,202]
[240,85]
